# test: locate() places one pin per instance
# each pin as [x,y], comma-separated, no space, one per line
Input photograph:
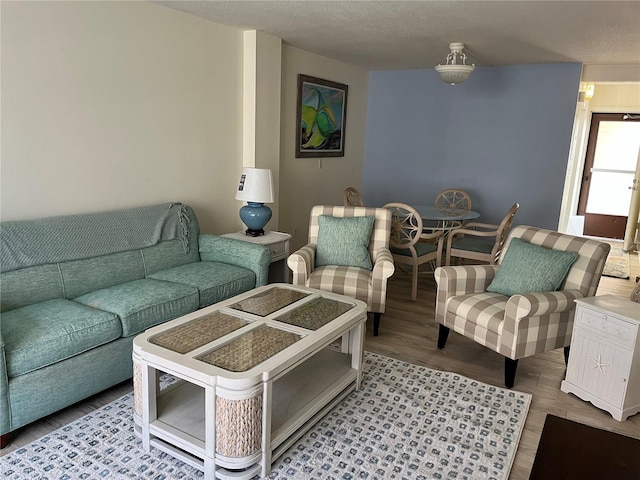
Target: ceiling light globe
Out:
[454,74]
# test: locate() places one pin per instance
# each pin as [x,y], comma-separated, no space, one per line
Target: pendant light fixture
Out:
[455,70]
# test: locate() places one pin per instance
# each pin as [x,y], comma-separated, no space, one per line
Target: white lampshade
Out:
[256,185]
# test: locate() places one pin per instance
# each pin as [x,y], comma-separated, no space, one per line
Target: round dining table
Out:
[444,220]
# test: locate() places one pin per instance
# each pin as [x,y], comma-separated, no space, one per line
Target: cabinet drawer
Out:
[278,250]
[609,326]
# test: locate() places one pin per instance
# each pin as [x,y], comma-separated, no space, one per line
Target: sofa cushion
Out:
[169,254]
[30,285]
[45,333]
[143,303]
[529,268]
[90,274]
[215,281]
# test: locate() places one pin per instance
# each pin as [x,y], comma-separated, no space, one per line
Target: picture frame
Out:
[321,117]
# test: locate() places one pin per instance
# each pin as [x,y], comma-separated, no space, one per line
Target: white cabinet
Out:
[604,360]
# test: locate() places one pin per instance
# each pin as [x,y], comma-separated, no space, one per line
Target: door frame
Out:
[575,164]
[598,222]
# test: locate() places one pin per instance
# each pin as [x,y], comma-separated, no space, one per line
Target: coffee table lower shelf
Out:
[300,397]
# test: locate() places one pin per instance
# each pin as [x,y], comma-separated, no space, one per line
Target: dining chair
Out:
[451,201]
[347,253]
[524,304]
[409,245]
[479,241]
[352,197]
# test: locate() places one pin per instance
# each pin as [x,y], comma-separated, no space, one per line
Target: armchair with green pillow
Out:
[524,304]
[347,253]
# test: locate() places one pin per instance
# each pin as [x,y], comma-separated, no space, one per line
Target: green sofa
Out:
[75,291]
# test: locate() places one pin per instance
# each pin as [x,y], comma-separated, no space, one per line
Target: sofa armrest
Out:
[301,263]
[461,280]
[5,420]
[252,256]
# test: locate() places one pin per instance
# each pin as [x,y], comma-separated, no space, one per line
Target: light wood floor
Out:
[408,332]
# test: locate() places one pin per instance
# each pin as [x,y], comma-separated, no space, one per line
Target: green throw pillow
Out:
[344,241]
[528,268]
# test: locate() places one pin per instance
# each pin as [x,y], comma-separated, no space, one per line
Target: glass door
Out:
[610,165]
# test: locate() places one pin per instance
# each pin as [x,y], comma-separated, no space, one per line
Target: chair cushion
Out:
[350,281]
[48,332]
[143,303]
[215,281]
[528,268]
[344,241]
[422,248]
[474,244]
[484,310]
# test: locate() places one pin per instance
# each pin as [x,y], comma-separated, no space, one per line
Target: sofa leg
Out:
[510,371]
[566,355]
[443,334]
[376,323]
[4,440]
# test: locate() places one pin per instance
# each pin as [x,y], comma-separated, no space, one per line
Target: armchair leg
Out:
[4,440]
[376,323]
[566,355]
[443,334]
[510,371]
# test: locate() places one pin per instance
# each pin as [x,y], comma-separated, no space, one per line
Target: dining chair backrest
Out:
[453,201]
[352,197]
[480,241]
[406,226]
[409,245]
[503,231]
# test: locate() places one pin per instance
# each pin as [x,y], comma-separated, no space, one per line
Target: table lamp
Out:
[256,188]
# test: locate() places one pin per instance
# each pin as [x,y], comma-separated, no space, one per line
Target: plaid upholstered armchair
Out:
[347,253]
[525,304]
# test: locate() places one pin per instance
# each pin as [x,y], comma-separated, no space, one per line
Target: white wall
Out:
[609,97]
[305,182]
[119,104]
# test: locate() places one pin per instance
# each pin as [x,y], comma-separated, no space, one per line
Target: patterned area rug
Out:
[406,422]
[617,264]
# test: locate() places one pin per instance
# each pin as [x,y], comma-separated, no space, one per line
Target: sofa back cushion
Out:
[84,276]
[27,243]
[169,254]
[69,256]
[30,285]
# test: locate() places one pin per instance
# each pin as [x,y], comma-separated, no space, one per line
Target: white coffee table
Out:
[254,372]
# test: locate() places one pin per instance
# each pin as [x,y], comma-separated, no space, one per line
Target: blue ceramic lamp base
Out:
[255,216]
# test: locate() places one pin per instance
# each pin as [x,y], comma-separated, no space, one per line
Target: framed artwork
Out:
[321,117]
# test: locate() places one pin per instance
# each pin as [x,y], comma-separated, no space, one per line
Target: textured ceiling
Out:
[391,35]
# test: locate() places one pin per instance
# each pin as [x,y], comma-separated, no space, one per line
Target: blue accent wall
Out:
[503,136]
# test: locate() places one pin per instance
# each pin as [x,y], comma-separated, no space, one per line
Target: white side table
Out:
[604,359]
[278,243]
